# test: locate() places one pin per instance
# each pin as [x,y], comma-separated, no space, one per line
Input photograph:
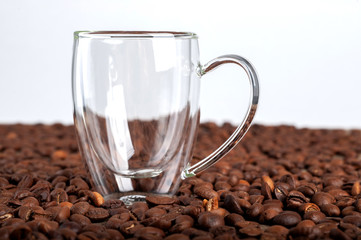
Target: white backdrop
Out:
[307,54]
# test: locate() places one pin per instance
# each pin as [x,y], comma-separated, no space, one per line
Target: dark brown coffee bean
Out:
[353,219]
[30,201]
[321,198]
[63,214]
[160,200]
[97,214]
[204,192]
[208,220]
[220,185]
[231,203]
[79,184]
[46,226]
[289,179]
[233,218]
[256,199]
[193,233]
[182,222]
[112,204]
[338,234]
[308,207]
[279,230]
[287,219]
[149,233]
[315,216]
[255,210]
[281,191]
[80,208]
[23,193]
[177,236]
[155,212]
[345,202]
[305,233]
[26,182]
[20,232]
[25,212]
[330,210]
[222,231]
[308,189]
[59,195]
[114,234]
[250,231]
[306,223]
[295,199]
[78,218]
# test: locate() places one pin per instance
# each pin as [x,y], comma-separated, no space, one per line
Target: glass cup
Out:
[136,109]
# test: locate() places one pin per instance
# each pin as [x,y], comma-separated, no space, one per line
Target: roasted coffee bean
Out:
[330,210]
[287,219]
[315,216]
[155,212]
[306,223]
[308,189]
[339,235]
[232,204]
[356,189]
[97,214]
[233,218]
[205,192]
[78,218]
[321,198]
[353,219]
[114,234]
[208,220]
[182,222]
[295,199]
[289,179]
[80,208]
[255,210]
[281,191]
[308,207]
[250,231]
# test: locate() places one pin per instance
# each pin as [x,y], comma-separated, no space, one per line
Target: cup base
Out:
[131,197]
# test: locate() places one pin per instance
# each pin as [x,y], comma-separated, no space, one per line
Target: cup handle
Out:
[237,135]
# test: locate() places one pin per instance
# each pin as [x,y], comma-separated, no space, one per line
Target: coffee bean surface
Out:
[280,182]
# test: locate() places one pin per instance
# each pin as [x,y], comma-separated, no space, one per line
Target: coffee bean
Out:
[356,189]
[289,179]
[233,218]
[255,210]
[208,220]
[182,222]
[78,218]
[80,208]
[308,207]
[250,231]
[231,203]
[295,199]
[287,219]
[321,198]
[338,234]
[308,189]
[330,210]
[155,212]
[204,192]
[281,191]
[353,219]
[149,233]
[97,214]
[306,223]
[315,216]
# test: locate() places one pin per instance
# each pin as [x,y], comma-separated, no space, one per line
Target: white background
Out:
[307,54]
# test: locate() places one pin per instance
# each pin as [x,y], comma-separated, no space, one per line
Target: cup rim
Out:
[134,34]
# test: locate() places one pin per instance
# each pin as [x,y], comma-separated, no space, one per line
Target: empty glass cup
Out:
[136,109]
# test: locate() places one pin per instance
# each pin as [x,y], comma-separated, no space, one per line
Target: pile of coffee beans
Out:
[278,183]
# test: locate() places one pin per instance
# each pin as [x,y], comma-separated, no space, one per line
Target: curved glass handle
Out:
[241,130]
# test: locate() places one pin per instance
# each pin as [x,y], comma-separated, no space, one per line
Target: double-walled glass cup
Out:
[136,109]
